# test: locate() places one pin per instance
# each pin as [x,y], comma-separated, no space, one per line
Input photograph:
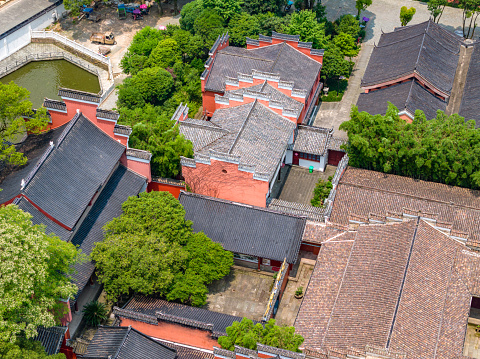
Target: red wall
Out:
[208,102]
[174,332]
[224,180]
[136,166]
[173,189]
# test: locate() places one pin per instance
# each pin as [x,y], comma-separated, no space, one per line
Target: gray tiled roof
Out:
[245,229]
[33,148]
[126,343]
[39,218]
[252,133]
[80,163]
[185,352]
[282,59]
[426,49]
[122,129]
[144,155]
[54,104]
[470,106]
[111,115]
[312,140]
[408,96]
[122,184]
[298,209]
[79,95]
[193,316]
[51,338]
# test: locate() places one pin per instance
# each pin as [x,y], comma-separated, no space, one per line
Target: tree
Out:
[349,25]
[209,25]
[321,192]
[406,15]
[75,5]
[189,13]
[34,271]
[304,23]
[94,313]
[151,85]
[362,5]
[241,26]
[23,348]
[140,49]
[247,335]
[225,8]
[436,8]
[155,132]
[346,44]
[470,11]
[334,63]
[269,22]
[151,249]
[190,46]
[254,7]
[165,54]
[14,106]
[445,149]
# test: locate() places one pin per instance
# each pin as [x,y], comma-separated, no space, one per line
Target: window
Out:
[309,157]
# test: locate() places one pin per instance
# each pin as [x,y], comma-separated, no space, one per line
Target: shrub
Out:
[94,313]
[321,192]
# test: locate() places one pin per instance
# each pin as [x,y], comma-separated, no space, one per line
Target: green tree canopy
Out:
[471,10]
[190,46]
[304,23]
[74,5]
[151,249]
[334,63]
[362,5]
[23,349]
[34,268]
[349,25]
[151,85]
[247,334]
[346,44]
[189,13]
[226,8]
[165,54]
[241,26]
[254,7]
[320,192]
[406,15]
[155,132]
[140,49]
[436,8]
[209,25]
[269,22]
[14,105]
[445,149]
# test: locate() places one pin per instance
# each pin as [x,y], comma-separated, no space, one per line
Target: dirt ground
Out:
[124,30]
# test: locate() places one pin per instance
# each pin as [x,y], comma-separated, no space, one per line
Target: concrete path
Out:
[459,82]
[332,114]
[384,15]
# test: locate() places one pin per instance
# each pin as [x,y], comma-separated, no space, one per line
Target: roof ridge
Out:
[242,128]
[284,43]
[240,55]
[123,342]
[402,40]
[421,47]
[151,339]
[438,42]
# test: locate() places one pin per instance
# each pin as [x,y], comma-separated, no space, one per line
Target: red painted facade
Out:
[173,189]
[174,332]
[224,180]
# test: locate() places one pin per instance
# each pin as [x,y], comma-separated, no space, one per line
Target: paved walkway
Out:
[332,114]
[384,15]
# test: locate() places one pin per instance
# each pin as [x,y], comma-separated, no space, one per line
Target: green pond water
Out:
[43,78]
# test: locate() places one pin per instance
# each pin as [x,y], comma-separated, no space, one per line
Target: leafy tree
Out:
[165,54]
[225,8]
[269,22]
[436,8]
[321,191]
[304,23]
[445,149]
[209,25]
[151,85]
[140,49]
[152,249]
[14,105]
[471,10]
[349,25]
[254,7]
[34,268]
[74,5]
[241,26]
[304,4]
[190,46]
[346,44]
[189,13]
[94,313]
[23,348]
[321,12]
[406,15]
[156,133]
[334,63]
[362,5]
[247,335]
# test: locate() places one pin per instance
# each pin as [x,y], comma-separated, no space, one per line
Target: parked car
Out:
[107,38]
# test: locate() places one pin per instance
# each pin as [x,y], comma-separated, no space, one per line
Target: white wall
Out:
[319,166]
[289,157]
[21,37]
